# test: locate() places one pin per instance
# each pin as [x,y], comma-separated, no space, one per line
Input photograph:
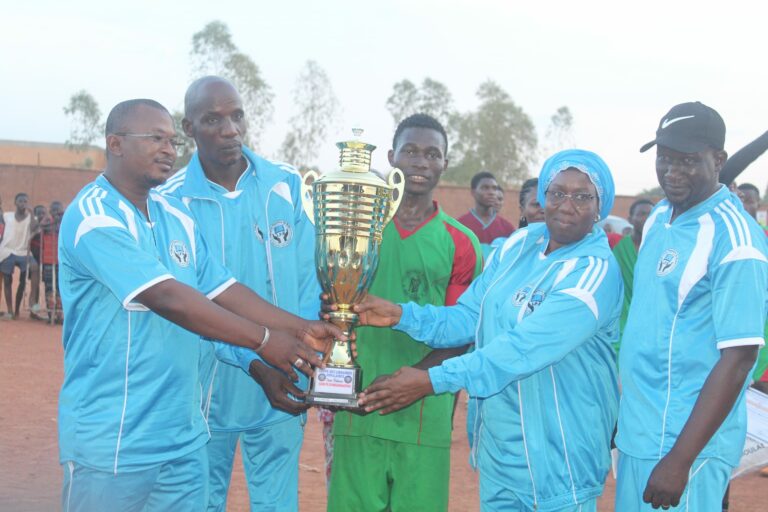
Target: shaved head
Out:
[197,90]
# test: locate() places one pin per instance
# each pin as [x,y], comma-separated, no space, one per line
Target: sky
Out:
[618,66]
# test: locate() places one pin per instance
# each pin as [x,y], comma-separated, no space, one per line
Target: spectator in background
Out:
[483,219]
[2,222]
[750,198]
[625,253]
[40,214]
[49,260]
[2,231]
[14,250]
[530,208]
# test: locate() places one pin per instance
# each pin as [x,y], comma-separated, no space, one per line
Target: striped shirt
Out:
[699,287]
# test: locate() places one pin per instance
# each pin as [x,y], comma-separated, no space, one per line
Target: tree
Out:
[432,98]
[184,154]
[317,111]
[85,120]
[498,137]
[214,53]
[559,134]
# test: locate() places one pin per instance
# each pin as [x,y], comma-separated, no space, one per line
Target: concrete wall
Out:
[50,155]
[43,184]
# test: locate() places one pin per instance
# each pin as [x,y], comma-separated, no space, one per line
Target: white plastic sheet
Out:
[755,454]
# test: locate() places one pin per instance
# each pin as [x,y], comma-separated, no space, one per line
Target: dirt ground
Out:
[30,476]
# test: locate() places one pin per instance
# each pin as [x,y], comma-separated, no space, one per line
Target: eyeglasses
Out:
[160,140]
[580,199]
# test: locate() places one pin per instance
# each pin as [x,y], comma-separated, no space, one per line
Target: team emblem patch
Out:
[179,253]
[280,233]
[667,263]
[520,296]
[415,284]
[536,298]
[535,301]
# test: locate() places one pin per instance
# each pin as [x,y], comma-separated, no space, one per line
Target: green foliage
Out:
[317,112]
[559,134]
[432,98]
[85,120]
[498,137]
[214,53]
[652,192]
[185,153]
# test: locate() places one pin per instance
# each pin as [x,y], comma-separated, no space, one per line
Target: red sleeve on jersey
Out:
[464,264]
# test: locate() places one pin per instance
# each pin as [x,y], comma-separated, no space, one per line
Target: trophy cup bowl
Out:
[350,208]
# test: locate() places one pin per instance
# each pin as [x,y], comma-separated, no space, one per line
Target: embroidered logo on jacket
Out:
[280,233]
[535,300]
[667,263]
[179,253]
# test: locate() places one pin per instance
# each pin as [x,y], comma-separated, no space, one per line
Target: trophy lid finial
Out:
[355,154]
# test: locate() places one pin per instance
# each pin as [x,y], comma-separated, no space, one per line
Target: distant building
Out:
[46,171]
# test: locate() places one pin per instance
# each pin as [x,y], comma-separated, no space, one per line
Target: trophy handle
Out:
[396,182]
[307,194]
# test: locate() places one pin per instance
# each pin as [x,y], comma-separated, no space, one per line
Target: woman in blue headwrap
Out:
[544,313]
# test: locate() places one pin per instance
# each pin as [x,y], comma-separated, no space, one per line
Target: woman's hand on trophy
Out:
[396,391]
[286,352]
[372,310]
[278,388]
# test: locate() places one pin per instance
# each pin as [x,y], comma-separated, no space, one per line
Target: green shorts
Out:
[375,474]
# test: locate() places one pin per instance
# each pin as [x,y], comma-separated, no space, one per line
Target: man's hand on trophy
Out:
[372,310]
[278,388]
[286,352]
[391,393]
[319,335]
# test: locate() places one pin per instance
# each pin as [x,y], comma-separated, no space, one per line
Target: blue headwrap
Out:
[588,163]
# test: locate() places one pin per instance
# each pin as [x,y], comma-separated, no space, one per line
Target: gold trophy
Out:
[350,208]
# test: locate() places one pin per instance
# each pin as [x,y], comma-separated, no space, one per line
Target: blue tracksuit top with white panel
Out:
[700,287]
[260,232]
[131,395]
[543,372]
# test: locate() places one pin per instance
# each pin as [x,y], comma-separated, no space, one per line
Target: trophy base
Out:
[335,386]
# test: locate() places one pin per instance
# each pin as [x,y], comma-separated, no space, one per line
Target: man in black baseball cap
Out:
[690,128]
[685,355]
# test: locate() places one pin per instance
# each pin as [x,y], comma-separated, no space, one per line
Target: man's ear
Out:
[391,157]
[115,145]
[186,125]
[720,158]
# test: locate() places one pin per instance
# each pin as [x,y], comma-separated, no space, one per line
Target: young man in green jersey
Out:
[401,461]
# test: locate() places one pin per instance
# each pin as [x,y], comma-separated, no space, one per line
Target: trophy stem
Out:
[341,352]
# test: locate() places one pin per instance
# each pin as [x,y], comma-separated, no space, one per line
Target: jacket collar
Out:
[196,184]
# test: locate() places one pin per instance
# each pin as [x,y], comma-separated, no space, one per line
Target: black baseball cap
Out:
[690,128]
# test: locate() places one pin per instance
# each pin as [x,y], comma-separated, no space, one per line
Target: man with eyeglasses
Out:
[686,355]
[250,213]
[140,288]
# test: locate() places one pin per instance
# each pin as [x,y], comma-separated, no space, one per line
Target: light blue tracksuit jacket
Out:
[543,374]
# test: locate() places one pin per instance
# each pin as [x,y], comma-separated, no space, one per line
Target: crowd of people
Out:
[29,243]
[191,325]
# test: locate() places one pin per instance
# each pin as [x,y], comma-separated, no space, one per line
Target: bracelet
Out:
[265,340]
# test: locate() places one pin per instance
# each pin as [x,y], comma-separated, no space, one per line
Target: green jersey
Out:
[433,264]
[626,255]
